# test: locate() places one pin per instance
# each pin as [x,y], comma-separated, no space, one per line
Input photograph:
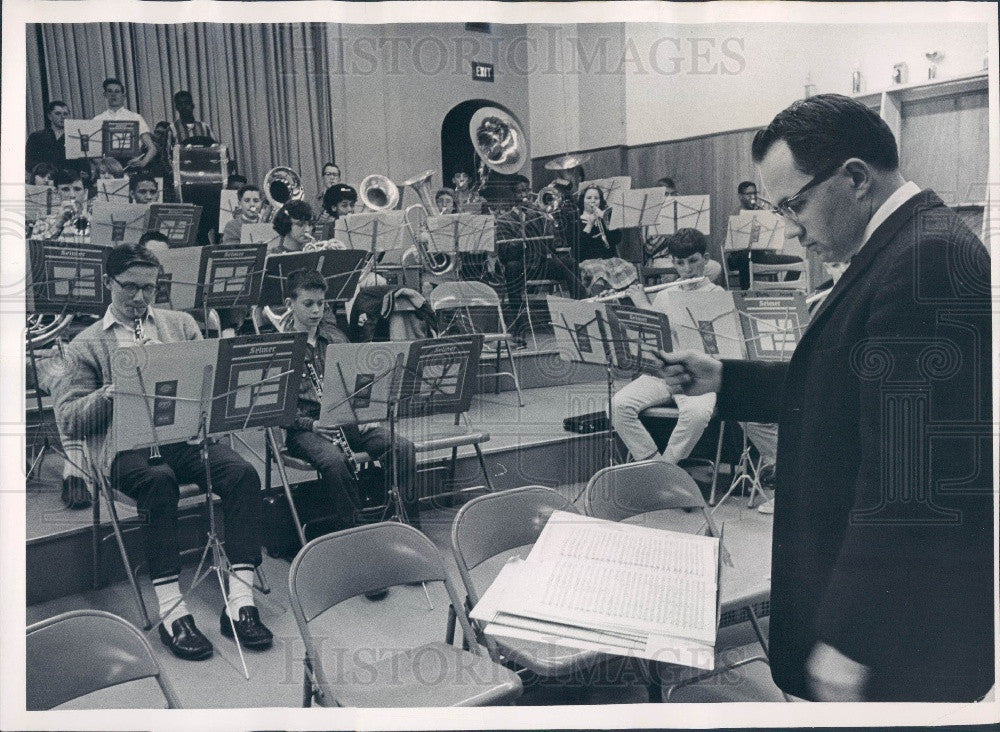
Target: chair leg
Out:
[496,381]
[452,467]
[261,584]
[113,513]
[449,631]
[513,371]
[96,566]
[307,685]
[482,464]
[718,457]
[760,635]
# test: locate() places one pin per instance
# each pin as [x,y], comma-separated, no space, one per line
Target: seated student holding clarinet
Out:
[331,449]
[83,409]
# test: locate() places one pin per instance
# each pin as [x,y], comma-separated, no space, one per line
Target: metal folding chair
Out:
[486,530]
[83,651]
[343,565]
[633,490]
[474,307]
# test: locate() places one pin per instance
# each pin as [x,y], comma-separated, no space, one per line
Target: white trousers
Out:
[649,391]
[694,414]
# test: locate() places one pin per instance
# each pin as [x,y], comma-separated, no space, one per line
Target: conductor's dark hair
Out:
[66,176]
[111,80]
[742,187]
[181,94]
[828,129]
[124,256]
[153,235]
[304,279]
[666,182]
[297,210]
[686,242]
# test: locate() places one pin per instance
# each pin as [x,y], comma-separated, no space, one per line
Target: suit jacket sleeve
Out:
[893,571]
[751,390]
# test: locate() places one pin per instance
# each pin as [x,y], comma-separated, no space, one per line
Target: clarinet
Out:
[338,438]
[155,458]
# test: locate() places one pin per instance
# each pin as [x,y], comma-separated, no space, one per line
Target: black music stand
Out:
[580,327]
[246,382]
[435,376]
[340,268]
[62,279]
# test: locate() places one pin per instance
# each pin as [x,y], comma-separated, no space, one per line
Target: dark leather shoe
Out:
[187,641]
[377,595]
[251,632]
[75,493]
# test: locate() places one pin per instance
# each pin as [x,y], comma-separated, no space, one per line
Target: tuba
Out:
[281,185]
[378,193]
[415,218]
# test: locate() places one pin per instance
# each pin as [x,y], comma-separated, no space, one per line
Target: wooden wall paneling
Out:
[928,141]
[973,148]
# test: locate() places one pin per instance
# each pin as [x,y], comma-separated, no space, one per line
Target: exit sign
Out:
[481,71]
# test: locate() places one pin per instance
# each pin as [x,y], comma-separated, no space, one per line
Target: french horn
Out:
[415,217]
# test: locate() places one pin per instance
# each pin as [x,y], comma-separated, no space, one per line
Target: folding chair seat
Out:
[340,566]
[84,651]
[656,493]
[474,307]
[725,447]
[485,532]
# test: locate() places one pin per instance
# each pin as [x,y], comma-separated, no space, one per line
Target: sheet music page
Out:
[572,536]
[593,572]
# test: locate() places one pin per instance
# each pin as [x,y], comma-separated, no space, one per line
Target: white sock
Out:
[240,592]
[168,595]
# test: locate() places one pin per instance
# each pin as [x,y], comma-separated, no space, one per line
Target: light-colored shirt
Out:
[124,114]
[900,196]
[125,333]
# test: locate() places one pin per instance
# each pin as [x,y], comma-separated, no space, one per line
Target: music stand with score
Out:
[371,382]
[583,336]
[118,223]
[633,208]
[195,390]
[683,212]
[228,207]
[120,138]
[84,138]
[39,202]
[453,234]
[177,221]
[113,190]
[340,268]
[60,280]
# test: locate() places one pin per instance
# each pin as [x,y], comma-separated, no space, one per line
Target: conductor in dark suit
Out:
[882,557]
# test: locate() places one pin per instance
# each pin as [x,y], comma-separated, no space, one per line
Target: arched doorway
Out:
[457,151]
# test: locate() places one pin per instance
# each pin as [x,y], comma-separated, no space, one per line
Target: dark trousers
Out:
[738,261]
[340,486]
[155,489]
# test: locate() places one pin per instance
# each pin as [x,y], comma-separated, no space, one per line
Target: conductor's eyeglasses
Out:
[132,289]
[790,206]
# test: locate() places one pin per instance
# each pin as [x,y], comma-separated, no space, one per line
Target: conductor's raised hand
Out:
[690,372]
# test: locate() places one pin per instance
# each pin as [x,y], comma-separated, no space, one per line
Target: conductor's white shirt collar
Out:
[900,196]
